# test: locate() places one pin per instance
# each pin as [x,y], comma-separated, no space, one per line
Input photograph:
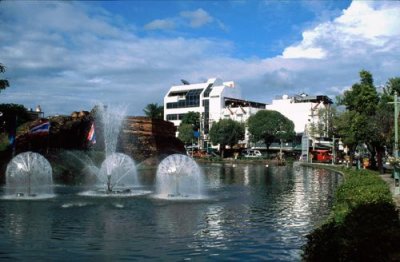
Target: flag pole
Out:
[48,139]
[15,136]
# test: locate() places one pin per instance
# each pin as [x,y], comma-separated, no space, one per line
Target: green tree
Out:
[154,111]
[270,125]
[192,118]
[362,104]
[362,97]
[14,111]
[226,132]
[393,84]
[186,133]
[12,116]
[3,82]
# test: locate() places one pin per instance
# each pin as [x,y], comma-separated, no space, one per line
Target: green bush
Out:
[363,226]
[3,142]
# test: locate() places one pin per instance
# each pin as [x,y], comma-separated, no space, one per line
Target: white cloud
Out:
[370,24]
[304,51]
[65,68]
[197,18]
[193,19]
[160,24]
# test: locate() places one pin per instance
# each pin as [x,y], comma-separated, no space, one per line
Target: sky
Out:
[71,55]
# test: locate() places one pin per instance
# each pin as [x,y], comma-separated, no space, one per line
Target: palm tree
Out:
[154,111]
[3,82]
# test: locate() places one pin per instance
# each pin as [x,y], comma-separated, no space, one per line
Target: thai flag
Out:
[41,128]
[91,137]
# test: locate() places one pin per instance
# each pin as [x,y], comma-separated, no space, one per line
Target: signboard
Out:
[305,145]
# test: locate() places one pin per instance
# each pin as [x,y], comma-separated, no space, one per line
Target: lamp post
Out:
[333,150]
[396,144]
[396,174]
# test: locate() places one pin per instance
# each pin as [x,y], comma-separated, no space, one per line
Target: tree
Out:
[154,111]
[192,118]
[3,82]
[186,133]
[269,125]
[362,97]
[12,111]
[12,116]
[393,84]
[226,132]
[362,104]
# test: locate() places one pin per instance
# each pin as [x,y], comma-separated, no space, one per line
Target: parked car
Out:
[251,153]
[321,155]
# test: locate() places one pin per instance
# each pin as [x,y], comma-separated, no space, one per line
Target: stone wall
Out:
[145,140]
[148,139]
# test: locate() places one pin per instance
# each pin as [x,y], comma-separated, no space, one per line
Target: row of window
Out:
[184,103]
[192,99]
[175,117]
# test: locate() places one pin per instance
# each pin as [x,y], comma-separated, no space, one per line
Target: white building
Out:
[303,110]
[213,99]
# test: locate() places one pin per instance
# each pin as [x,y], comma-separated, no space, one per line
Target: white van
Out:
[251,153]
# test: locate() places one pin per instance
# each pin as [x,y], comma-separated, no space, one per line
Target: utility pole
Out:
[333,150]
[396,170]
[396,126]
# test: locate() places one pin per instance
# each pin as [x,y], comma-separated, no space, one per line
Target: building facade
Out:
[213,100]
[308,113]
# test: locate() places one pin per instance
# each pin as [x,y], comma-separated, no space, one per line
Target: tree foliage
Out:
[12,113]
[226,132]
[192,118]
[393,84]
[186,133]
[269,125]
[3,82]
[154,111]
[367,118]
[324,127]
[362,97]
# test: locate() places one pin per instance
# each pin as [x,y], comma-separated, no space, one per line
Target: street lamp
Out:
[334,149]
[396,174]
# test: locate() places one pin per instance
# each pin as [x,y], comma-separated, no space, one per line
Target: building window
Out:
[192,99]
[206,104]
[208,90]
[172,117]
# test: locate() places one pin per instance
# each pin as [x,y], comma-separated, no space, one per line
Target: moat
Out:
[251,212]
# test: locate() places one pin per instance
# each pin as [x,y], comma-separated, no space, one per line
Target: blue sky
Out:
[67,56]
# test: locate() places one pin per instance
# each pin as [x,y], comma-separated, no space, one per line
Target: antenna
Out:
[185,82]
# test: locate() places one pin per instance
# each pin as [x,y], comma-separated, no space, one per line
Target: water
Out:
[179,177]
[251,213]
[29,176]
[111,118]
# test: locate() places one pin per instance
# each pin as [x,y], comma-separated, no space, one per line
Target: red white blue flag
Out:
[41,128]
[91,137]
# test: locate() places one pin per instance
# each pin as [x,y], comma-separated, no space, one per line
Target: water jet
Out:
[29,176]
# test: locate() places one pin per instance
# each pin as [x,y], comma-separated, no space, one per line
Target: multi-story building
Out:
[213,99]
[308,113]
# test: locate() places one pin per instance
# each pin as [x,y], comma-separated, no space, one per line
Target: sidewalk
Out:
[390,181]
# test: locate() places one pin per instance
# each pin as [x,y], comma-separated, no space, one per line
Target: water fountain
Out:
[117,175]
[111,119]
[29,176]
[179,177]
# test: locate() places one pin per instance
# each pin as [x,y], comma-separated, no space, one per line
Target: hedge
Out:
[364,223]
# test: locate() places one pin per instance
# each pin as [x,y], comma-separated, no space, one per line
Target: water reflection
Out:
[253,213]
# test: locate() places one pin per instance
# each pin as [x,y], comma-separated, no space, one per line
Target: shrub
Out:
[363,226]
